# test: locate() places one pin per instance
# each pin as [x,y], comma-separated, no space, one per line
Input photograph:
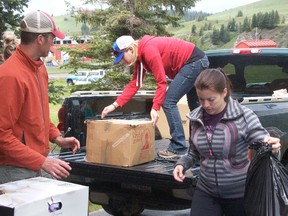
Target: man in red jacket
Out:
[25,125]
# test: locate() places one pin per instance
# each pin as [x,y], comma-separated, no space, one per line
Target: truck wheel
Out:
[70,82]
[123,208]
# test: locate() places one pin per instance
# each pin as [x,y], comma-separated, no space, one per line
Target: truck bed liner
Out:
[157,172]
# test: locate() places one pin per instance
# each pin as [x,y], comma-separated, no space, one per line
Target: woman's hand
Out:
[275,142]
[109,109]
[154,116]
[178,173]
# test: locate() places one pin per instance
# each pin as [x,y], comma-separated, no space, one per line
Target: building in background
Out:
[256,43]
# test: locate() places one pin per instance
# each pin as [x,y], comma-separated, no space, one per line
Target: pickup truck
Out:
[260,80]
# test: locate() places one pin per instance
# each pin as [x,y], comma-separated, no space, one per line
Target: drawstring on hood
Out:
[140,79]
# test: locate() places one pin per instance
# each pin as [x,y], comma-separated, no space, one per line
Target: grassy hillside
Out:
[248,10]
[279,34]
[68,25]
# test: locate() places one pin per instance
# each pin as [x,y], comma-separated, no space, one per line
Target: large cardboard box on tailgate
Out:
[162,123]
[43,197]
[120,142]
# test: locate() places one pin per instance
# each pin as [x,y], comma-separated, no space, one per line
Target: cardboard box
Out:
[120,142]
[43,197]
[162,123]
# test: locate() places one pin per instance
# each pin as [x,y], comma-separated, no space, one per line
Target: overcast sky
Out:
[57,7]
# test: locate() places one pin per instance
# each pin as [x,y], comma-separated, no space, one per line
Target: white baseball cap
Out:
[120,45]
[40,22]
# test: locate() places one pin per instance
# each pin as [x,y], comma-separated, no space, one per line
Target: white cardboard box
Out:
[43,197]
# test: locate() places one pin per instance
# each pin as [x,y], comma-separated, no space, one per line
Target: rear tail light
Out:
[246,51]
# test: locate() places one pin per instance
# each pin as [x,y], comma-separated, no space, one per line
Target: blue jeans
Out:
[182,84]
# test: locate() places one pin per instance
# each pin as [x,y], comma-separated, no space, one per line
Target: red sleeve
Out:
[53,131]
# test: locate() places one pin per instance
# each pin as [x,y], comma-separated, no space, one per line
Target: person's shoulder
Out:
[10,65]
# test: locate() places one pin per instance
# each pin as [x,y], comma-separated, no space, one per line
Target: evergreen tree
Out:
[239,14]
[224,34]
[215,37]
[277,17]
[85,29]
[254,23]
[201,31]
[193,30]
[266,21]
[283,20]
[246,25]
[231,26]
[210,26]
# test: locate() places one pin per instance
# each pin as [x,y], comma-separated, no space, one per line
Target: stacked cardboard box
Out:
[120,142]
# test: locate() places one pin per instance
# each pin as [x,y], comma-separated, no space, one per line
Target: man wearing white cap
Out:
[163,57]
[25,125]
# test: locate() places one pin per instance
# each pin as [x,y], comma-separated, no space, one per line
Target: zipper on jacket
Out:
[41,96]
[212,155]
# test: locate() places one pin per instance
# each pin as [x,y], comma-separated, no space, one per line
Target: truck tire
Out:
[123,208]
[70,82]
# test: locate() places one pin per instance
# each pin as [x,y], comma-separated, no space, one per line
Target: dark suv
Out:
[260,80]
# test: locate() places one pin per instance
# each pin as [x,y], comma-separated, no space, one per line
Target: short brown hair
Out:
[29,37]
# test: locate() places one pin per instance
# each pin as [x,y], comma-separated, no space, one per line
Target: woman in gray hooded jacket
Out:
[221,130]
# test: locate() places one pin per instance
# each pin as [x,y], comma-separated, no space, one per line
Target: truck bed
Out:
[152,180]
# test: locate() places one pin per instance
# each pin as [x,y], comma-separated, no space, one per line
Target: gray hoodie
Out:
[223,174]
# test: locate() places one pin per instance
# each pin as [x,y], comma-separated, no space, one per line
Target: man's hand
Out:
[68,142]
[57,168]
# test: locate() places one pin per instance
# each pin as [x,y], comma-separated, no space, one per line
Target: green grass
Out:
[57,70]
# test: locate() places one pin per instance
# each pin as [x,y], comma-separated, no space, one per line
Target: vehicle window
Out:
[67,41]
[258,76]
[80,73]
[94,73]
[229,69]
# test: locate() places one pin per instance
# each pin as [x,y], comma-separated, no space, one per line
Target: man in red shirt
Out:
[25,125]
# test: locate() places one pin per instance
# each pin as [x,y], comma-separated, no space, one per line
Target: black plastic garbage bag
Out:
[266,192]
